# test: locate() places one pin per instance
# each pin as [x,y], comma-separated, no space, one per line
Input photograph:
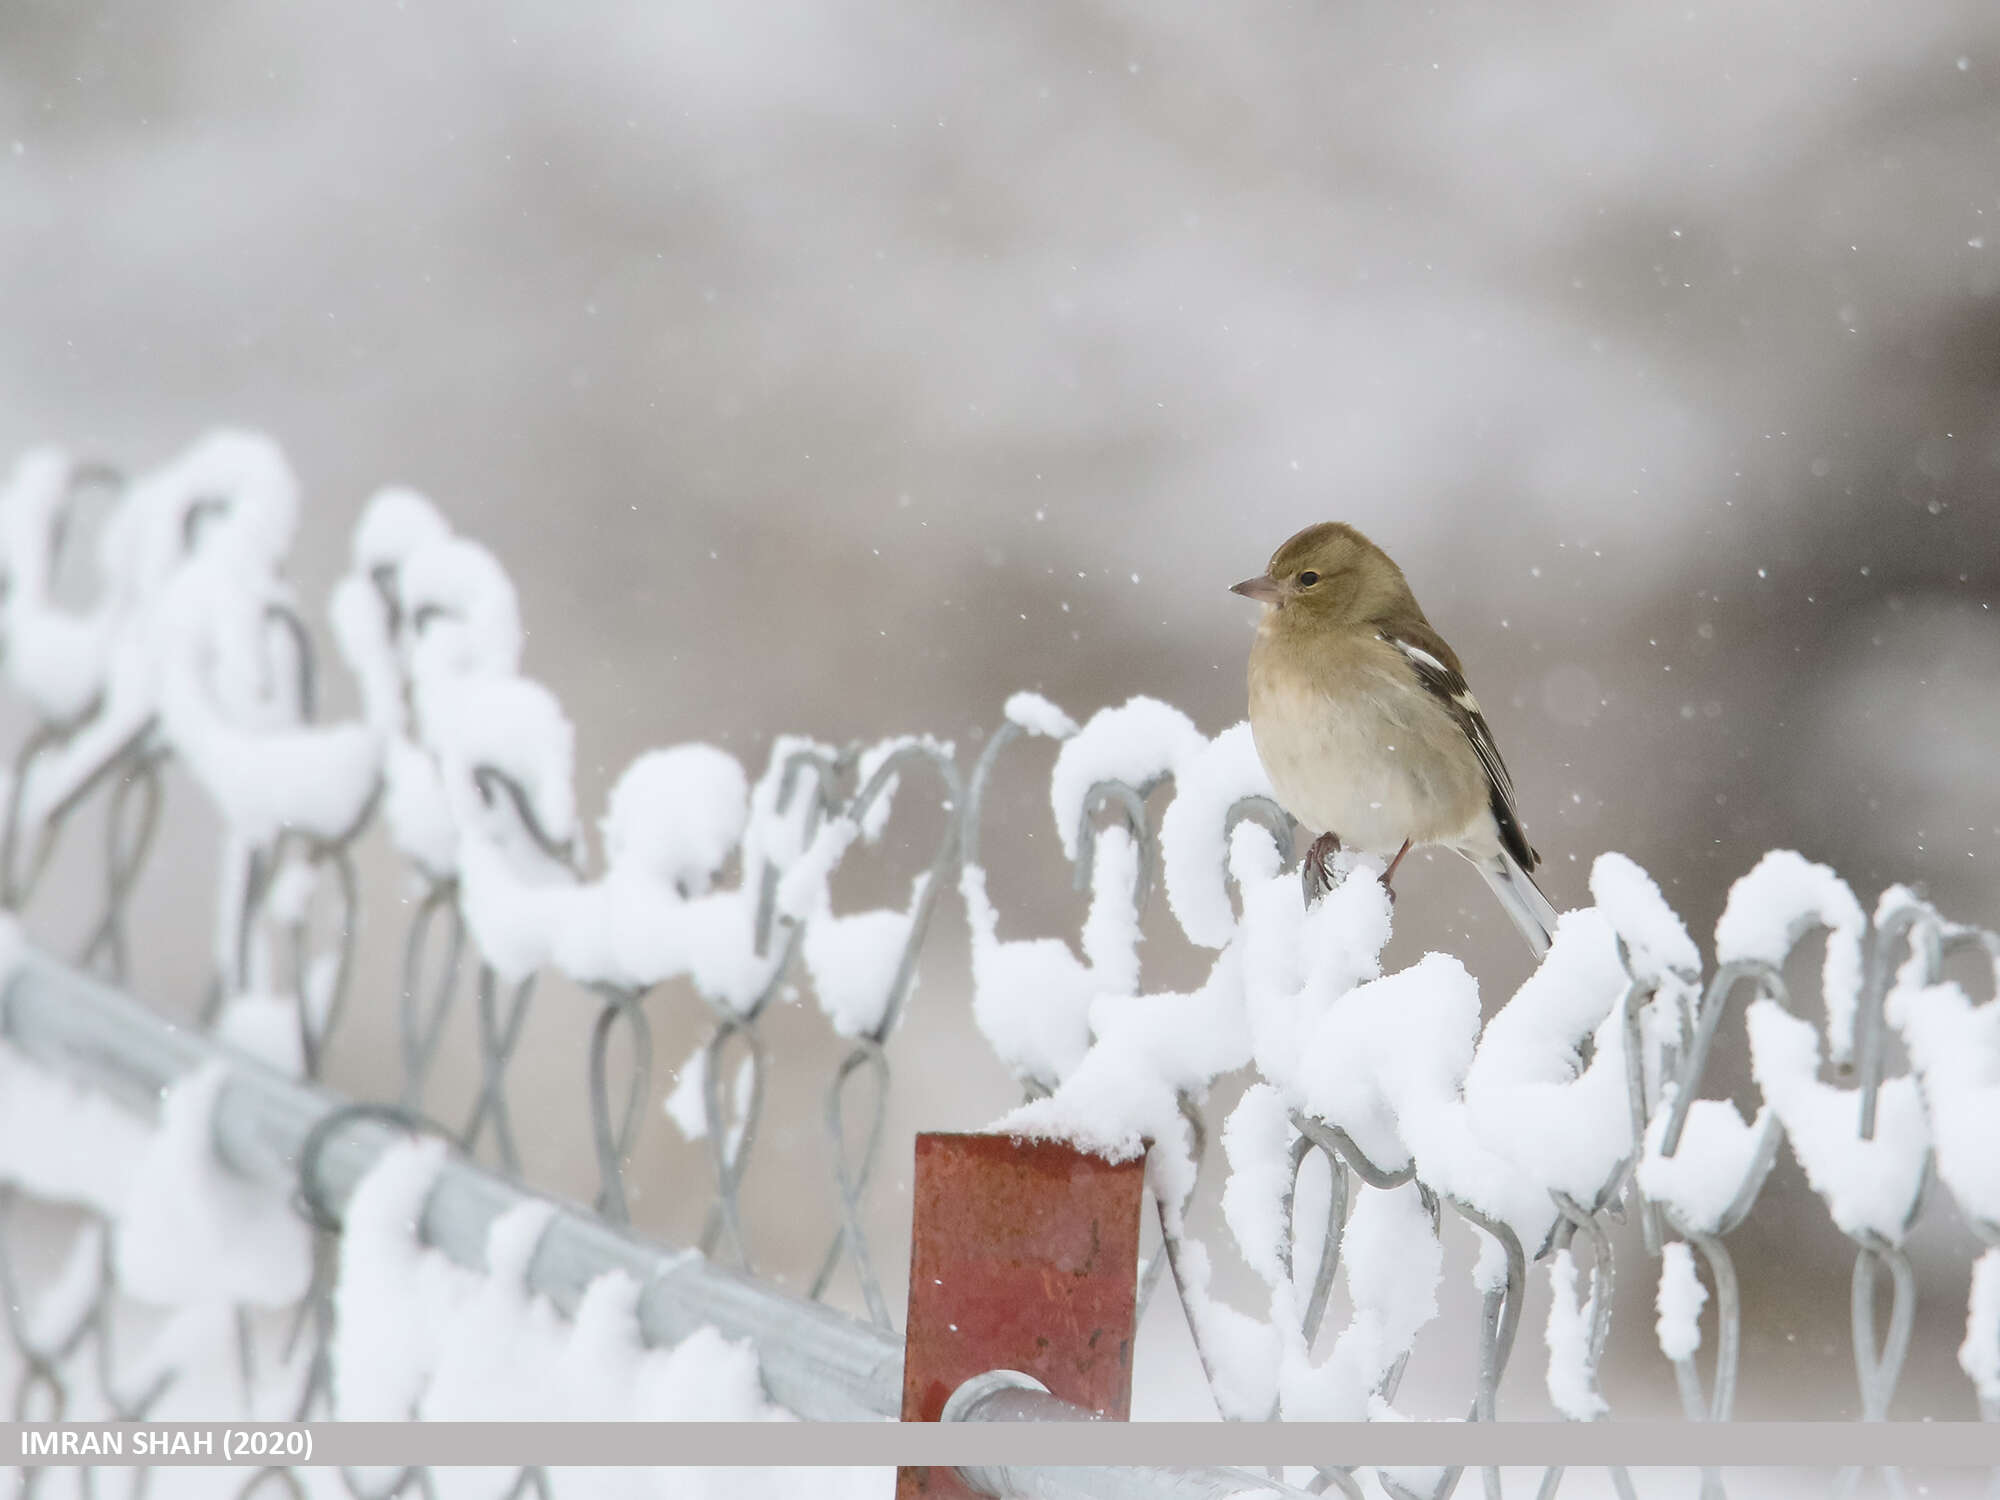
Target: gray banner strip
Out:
[1110,1444]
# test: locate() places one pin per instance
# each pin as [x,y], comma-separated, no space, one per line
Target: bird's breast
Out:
[1353,749]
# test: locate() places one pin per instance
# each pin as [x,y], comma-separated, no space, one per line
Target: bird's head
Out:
[1329,574]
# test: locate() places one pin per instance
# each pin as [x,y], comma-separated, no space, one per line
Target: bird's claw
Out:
[1316,869]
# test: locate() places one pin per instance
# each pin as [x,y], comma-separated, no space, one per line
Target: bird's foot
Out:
[1316,869]
[1390,873]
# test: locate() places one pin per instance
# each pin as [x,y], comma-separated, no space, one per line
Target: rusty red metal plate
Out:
[1024,1256]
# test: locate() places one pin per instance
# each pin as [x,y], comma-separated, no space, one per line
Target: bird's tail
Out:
[1522,898]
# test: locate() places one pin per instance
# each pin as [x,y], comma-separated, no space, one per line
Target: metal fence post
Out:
[1024,1256]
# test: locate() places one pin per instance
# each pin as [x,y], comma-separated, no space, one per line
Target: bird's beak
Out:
[1264,589]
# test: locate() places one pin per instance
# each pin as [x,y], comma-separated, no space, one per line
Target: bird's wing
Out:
[1438,670]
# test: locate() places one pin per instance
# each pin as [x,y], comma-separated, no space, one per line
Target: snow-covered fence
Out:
[1372,1104]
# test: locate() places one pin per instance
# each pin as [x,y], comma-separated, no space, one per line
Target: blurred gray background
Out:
[843,366]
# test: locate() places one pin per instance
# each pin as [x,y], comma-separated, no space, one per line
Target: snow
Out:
[1392,1264]
[1713,1164]
[684,1102]
[1298,966]
[190,1231]
[1979,1355]
[1257,1140]
[391,1298]
[1207,783]
[226,482]
[1782,899]
[62,1142]
[1138,742]
[853,958]
[461,610]
[1238,1350]
[264,771]
[1954,1049]
[1572,1382]
[778,830]
[395,524]
[1565,1126]
[1035,714]
[1149,1049]
[417,1336]
[1680,1301]
[1655,938]
[513,726]
[675,816]
[266,1027]
[56,659]
[1870,1186]
[853,962]
[1031,997]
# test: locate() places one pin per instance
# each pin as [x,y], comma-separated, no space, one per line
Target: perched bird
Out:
[1364,723]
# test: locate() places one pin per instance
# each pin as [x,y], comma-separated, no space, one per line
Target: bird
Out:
[1362,718]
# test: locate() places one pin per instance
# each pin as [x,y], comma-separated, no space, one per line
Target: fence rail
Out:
[292,1137]
[1376,1103]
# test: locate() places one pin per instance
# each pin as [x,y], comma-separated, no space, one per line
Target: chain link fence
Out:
[1377,1104]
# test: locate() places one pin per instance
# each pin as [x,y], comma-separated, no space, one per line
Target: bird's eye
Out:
[1307,580]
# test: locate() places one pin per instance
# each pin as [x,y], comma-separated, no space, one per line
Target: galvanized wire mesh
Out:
[160,672]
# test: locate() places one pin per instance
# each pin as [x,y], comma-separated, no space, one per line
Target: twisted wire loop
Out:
[1131,801]
[615,1133]
[1326,1478]
[1929,936]
[1917,928]
[318,976]
[1718,1404]
[500,1032]
[1314,1314]
[1329,1249]
[273,1479]
[492,784]
[46,740]
[1172,1252]
[851,1177]
[128,841]
[314,1315]
[16,884]
[43,1383]
[1265,812]
[501,1024]
[43,1395]
[1878,1362]
[1576,1219]
[313,1319]
[973,815]
[104,1318]
[729,1141]
[866,1058]
[361,1485]
[1500,1318]
[421,1014]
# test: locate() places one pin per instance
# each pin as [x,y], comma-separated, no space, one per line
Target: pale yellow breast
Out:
[1353,747]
